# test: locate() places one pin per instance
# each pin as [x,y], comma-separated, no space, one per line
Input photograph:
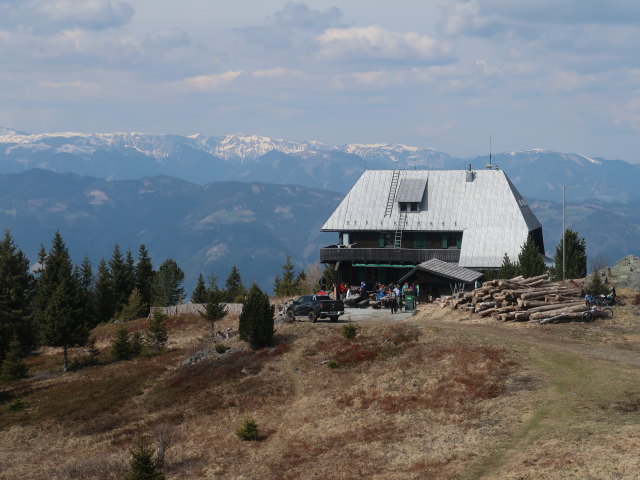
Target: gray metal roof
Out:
[445,269]
[492,215]
[411,190]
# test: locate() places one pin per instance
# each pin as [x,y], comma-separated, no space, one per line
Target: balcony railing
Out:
[388,255]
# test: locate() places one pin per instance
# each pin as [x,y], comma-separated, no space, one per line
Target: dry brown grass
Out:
[400,405]
[405,402]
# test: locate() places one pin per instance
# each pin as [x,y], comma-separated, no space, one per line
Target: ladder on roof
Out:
[392,192]
[402,220]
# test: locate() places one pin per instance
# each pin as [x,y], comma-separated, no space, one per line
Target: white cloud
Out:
[375,43]
[211,82]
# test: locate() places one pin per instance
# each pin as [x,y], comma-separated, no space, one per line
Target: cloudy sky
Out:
[562,75]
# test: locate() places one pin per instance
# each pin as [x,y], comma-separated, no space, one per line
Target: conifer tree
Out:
[235,290]
[86,290]
[17,288]
[157,332]
[13,368]
[144,275]
[58,313]
[530,263]
[121,345]
[136,344]
[286,285]
[199,294]
[576,257]
[508,268]
[121,281]
[143,465]
[134,308]
[105,308]
[167,283]
[256,320]
[214,307]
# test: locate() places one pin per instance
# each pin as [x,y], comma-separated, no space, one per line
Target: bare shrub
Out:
[165,436]
[101,466]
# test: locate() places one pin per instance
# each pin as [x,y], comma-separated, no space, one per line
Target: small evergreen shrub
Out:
[157,332]
[121,345]
[220,348]
[332,364]
[12,367]
[17,405]
[349,331]
[595,286]
[249,430]
[143,465]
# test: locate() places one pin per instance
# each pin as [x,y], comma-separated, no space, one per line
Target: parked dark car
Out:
[315,307]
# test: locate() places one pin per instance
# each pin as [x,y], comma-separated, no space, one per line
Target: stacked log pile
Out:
[522,299]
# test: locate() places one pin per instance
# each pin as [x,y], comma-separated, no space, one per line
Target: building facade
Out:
[393,220]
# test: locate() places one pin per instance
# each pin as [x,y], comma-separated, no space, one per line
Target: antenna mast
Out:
[489,165]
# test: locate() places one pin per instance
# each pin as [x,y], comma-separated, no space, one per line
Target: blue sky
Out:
[561,75]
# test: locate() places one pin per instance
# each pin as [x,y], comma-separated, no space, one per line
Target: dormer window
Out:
[411,194]
[409,206]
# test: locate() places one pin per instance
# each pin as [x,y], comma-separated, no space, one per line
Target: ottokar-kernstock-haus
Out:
[437,227]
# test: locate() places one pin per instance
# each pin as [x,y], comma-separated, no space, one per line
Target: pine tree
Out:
[166,284]
[86,290]
[13,368]
[143,466]
[134,308]
[136,344]
[530,262]
[105,307]
[214,307]
[235,290]
[508,268]
[58,313]
[595,286]
[17,289]
[199,294]
[121,345]
[144,275]
[157,332]
[121,280]
[286,285]
[576,257]
[256,320]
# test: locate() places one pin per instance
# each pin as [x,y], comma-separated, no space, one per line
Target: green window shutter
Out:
[459,241]
[421,241]
[444,241]
[381,240]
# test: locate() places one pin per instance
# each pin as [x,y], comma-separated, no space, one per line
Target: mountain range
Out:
[246,200]
[201,159]
[206,229]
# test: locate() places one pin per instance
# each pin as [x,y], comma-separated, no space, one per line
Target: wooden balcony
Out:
[388,255]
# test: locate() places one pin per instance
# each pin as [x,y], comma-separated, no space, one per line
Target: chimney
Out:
[470,174]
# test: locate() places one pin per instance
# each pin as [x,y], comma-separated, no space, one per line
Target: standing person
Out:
[417,293]
[396,291]
[343,290]
[363,290]
[393,301]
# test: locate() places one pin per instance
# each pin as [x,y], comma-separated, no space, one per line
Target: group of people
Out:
[389,296]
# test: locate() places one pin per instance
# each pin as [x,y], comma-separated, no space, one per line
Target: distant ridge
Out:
[538,173]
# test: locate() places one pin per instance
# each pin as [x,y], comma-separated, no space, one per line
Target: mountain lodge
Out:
[393,221]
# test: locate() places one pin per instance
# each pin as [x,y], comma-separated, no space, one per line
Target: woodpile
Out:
[521,300]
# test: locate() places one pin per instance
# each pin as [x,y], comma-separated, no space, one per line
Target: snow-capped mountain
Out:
[538,173]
